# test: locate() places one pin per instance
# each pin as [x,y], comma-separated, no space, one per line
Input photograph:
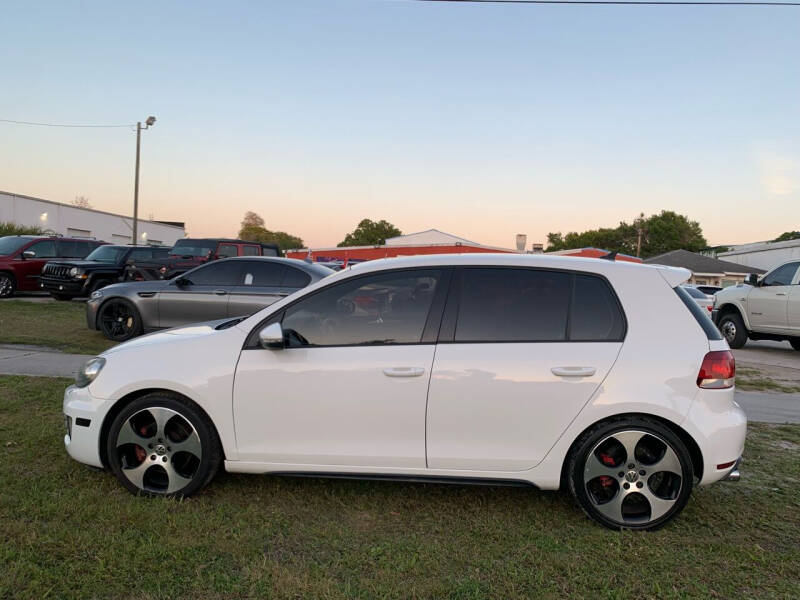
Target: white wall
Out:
[766,257]
[65,219]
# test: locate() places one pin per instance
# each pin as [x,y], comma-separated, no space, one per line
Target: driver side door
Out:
[199,295]
[350,387]
[768,304]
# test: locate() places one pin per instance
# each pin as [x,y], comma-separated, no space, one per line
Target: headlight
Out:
[75,272]
[96,294]
[90,371]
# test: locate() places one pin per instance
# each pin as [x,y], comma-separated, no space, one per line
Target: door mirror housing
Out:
[271,337]
[28,254]
[752,279]
[181,281]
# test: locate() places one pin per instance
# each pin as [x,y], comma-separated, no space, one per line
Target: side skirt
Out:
[408,478]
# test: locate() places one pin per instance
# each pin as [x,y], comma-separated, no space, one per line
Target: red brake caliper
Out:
[607,460]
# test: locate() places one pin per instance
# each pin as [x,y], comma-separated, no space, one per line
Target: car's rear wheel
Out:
[119,320]
[163,445]
[631,473]
[733,330]
[8,285]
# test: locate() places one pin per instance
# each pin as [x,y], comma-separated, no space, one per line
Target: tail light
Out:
[710,308]
[717,371]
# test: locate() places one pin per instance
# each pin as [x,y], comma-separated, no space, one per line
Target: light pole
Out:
[150,120]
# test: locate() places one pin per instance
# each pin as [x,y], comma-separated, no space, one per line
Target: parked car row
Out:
[82,266]
[556,372]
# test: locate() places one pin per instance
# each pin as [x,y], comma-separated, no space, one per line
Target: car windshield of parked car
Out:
[390,308]
[109,254]
[11,243]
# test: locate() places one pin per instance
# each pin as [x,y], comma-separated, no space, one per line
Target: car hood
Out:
[195,330]
[82,263]
[123,288]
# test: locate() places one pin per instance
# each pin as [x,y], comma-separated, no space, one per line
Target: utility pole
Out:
[148,123]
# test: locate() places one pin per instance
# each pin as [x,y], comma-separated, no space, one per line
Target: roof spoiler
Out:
[674,276]
[610,256]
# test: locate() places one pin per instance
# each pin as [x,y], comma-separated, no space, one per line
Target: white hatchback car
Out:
[557,372]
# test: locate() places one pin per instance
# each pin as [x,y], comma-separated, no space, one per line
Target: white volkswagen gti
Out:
[599,377]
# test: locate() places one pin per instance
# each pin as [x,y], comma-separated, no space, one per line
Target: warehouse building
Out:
[764,255]
[75,221]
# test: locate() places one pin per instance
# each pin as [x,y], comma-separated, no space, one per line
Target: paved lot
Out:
[775,354]
[35,360]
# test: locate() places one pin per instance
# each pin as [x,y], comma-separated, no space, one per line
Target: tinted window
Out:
[201,248]
[160,252]
[68,249]
[595,314]
[217,273]
[109,254]
[140,254]
[700,314]
[694,292]
[227,250]
[10,244]
[512,305]
[295,278]
[391,308]
[263,274]
[250,250]
[269,251]
[782,275]
[82,249]
[43,249]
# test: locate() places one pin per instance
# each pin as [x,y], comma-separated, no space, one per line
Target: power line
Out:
[622,2]
[60,124]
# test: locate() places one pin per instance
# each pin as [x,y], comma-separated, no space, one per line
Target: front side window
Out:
[782,275]
[43,249]
[216,273]
[109,254]
[227,250]
[141,254]
[390,308]
[513,305]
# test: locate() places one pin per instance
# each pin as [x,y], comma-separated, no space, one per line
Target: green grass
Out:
[753,379]
[70,532]
[60,325]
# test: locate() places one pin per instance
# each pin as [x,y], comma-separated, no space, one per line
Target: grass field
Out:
[70,532]
[60,325]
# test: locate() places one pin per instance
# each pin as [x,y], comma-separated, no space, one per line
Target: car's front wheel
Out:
[733,330]
[631,473]
[7,285]
[163,445]
[119,320]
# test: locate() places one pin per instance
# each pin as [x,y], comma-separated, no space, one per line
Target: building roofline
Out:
[102,212]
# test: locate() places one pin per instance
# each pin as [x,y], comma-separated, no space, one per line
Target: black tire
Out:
[99,284]
[8,284]
[61,297]
[164,470]
[795,342]
[648,508]
[119,320]
[733,330]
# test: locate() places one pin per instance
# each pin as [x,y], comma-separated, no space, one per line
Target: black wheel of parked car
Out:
[8,285]
[119,320]
[732,328]
[61,297]
[630,473]
[163,445]
[795,342]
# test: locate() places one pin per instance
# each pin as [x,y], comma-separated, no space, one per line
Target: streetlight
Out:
[150,120]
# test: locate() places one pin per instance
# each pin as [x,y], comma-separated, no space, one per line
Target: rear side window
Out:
[595,315]
[227,250]
[160,252]
[700,315]
[250,251]
[295,278]
[263,274]
[513,305]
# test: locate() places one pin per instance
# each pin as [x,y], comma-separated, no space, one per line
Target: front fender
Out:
[734,305]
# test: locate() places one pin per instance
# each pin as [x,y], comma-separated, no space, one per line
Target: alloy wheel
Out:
[117,320]
[6,286]
[633,477]
[729,331]
[159,450]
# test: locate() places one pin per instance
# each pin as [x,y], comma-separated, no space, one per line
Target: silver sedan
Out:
[231,287]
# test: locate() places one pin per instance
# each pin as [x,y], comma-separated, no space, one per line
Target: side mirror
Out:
[181,281]
[29,254]
[271,337]
[752,279]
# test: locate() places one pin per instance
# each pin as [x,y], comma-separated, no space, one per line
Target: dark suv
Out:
[23,256]
[66,279]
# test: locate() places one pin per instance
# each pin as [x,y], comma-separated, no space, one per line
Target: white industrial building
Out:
[764,255]
[74,221]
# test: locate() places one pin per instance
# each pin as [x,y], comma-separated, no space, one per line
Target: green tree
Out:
[370,233]
[788,235]
[655,234]
[14,229]
[253,230]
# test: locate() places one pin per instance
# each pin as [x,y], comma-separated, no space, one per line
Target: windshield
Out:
[12,243]
[193,248]
[109,254]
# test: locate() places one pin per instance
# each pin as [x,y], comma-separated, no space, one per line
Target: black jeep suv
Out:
[66,279]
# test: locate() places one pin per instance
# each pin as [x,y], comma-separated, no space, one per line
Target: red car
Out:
[23,256]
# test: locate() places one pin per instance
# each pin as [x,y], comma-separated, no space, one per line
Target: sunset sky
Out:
[481,120]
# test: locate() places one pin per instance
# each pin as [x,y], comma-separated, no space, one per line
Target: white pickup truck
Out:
[761,309]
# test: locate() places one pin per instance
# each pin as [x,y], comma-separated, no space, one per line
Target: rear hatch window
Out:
[700,315]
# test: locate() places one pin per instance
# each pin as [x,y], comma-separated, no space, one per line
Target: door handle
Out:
[220,292]
[403,371]
[573,371]
[780,293]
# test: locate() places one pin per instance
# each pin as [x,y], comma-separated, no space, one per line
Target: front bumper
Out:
[83,415]
[92,306]
[76,287]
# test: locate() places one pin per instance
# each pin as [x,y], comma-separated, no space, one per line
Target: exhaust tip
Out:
[733,475]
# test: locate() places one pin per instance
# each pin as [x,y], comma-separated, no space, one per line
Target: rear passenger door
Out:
[262,283]
[521,351]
